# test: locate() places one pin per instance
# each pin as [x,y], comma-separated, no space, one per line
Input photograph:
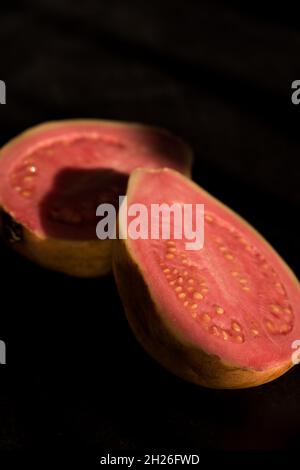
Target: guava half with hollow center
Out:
[224,316]
[54,176]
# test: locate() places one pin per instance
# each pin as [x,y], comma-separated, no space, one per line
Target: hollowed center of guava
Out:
[55,176]
[67,179]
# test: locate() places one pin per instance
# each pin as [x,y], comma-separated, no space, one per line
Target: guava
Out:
[223,316]
[53,177]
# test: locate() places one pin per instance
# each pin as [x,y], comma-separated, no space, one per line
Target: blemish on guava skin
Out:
[13,232]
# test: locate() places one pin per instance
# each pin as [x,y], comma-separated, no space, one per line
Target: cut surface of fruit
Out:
[234,300]
[54,176]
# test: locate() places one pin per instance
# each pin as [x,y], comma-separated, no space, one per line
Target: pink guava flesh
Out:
[53,178]
[234,298]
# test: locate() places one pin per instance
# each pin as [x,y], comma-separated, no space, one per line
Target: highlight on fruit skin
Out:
[53,177]
[225,316]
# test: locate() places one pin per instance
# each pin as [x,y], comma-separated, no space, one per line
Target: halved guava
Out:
[53,177]
[224,316]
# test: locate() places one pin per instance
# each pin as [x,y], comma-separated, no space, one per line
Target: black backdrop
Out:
[220,76]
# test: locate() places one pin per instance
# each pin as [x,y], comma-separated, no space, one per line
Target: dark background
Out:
[217,74]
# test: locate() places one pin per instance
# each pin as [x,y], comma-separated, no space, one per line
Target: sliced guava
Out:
[53,177]
[224,316]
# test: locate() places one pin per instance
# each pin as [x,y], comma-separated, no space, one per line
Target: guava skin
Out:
[74,249]
[75,258]
[173,331]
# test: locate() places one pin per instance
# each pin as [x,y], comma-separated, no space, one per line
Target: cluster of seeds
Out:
[192,290]
[23,177]
[277,315]
[189,290]
[191,286]
[224,250]
[243,282]
[279,319]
